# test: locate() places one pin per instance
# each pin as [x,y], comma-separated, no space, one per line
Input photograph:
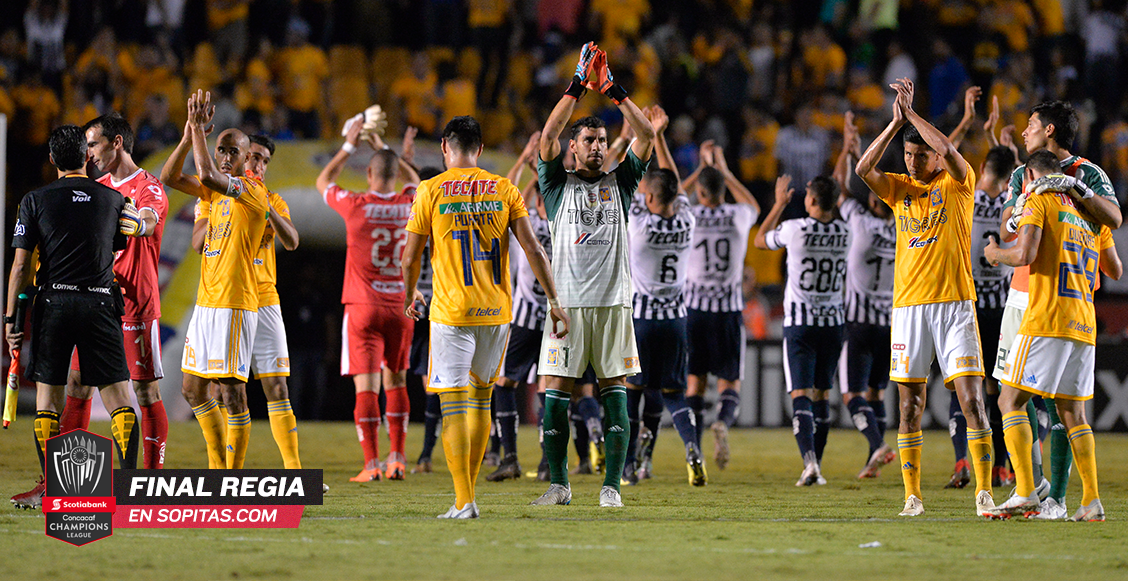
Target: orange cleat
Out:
[367,476]
[395,467]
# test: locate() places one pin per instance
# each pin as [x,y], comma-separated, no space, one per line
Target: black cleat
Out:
[509,469]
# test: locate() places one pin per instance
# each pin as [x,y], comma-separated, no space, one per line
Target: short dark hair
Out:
[712,181]
[429,172]
[112,125]
[663,183]
[263,140]
[389,163]
[463,133]
[1044,160]
[68,147]
[825,191]
[1000,161]
[1063,117]
[590,122]
[911,135]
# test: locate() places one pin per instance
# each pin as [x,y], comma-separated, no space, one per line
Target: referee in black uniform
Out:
[77,224]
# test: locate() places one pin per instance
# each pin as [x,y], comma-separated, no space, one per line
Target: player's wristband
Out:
[553,304]
[348,148]
[143,228]
[576,88]
[1012,225]
[617,94]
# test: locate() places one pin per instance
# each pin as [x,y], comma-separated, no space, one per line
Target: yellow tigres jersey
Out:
[466,212]
[235,227]
[1064,274]
[933,261]
[265,262]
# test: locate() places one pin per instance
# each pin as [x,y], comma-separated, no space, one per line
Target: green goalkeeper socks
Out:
[556,433]
[1061,456]
[616,432]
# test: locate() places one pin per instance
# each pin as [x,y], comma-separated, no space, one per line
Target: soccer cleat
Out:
[598,459]
[1092,512]
[1001,476]
[395,466]
[422,467]
[556,494]
[468,511]
[610,498]
[583,467]
[913,506]
[31,499]
[810,476]
[1051,509]
[645,469]
[367,475]
[543,475]
[961,475]
[1043,489]
[1014,506]
[879,458]
[509,469]
[695,467]
[491,459]
[645,437]
[324,488]
[630,474]
[983,503]
[720,444]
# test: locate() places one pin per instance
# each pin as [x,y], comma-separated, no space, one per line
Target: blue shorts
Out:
[420,345]
[866,359]
[522,353]
[810,356]
[716,344]
[663,352]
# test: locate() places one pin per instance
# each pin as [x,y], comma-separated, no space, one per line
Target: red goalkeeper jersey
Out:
[136,267]
[376,234]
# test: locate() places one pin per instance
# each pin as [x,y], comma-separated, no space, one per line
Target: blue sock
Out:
[506,400]
[821,411]
[652,415]
[878,407]
[589,410]
[803,426]
[431,420]
[866,422]
[634,399]
[730,407]
[957,428]
[684,422]
[580,436]
[697,404]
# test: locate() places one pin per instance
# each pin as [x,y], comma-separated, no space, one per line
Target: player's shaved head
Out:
[231,151]
[710,185]
[824,191]
[1043,162]
[235,137]
[662,184]
[382,167]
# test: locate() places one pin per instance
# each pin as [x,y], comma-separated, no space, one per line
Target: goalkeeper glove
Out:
[583,69]
[604,82]
[130,222]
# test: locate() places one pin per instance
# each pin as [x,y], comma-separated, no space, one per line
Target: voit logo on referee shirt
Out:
[79,500]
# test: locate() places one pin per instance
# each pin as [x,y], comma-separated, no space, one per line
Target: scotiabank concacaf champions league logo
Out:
[79,501]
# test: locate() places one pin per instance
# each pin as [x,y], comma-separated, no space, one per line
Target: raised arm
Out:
[617,151]
[866,169]
[950,157]
[200,112]
[538,260]
[603,81]
[524,159]
[284,228]
[660,121]
[783,193]
[562,112]
[704,159]
[851,144]
[172,174]
[332,170]
[992,122]
[741,193]
[971,95]
[410,264]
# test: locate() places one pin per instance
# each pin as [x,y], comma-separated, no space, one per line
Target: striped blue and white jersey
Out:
[660,250]
[869,265]
[716,262]
[991,282]
[816,270]
[530,305]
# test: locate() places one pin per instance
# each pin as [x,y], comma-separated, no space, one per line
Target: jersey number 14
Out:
[472,251]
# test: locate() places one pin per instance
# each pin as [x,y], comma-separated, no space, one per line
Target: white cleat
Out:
[468,511]
[1092,512]
[556,494]
[610,498]
[324,487]
[983,503]
[810,476]
[1051,509]
[913,506]
[1015,506]
[1043,489]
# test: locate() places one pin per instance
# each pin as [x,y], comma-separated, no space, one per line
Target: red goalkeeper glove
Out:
[583,69]
[601,80]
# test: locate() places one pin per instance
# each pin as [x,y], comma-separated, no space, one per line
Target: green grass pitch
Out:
[750,522]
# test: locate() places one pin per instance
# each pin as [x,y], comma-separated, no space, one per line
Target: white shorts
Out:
[270,357]
[1012,321]
[945,331]
[1052,367]
[465,356]
[218,343]
[601,336]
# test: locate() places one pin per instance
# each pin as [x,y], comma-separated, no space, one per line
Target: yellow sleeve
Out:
[1034,213]
[419,222]
[1106,238]
[279,204]
[899,184]
[202,210]
[514,200]
[254,195]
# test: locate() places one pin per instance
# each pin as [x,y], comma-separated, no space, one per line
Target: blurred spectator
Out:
[488,26]
[227,27]
[301,71]
[802,148]
[45,23]
[152,72]
[560,15]
[457,92]
[946,80]
[1114,152]
[414,94]
[823,61]
[618,19]
[154,129]
[1103,31]
[227,114]
[1014,20]
[900,65]
[757,147]
[79,109]
[254,94]
[96,69]
[762,63]
[1014,91]
[682,146]
[11,55]
[443,22]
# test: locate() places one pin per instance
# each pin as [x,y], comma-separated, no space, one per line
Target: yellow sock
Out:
[909,446]
[1085,455]
[46,426]
[456,444]
[238,436]
[223,422]
[284,426]
[123,426]
[478,418]
[1020,440]
[212,424]
[979,452]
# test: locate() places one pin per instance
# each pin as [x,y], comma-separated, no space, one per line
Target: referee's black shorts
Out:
[64,321]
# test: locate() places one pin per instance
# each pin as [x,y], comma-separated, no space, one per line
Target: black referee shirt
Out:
[74,222]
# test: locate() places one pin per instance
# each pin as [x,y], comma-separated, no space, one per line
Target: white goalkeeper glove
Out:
[130,222]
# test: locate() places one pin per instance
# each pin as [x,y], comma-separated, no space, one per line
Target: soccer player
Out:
[934,294]
[110,140]
[588,212]
[1053,126]
[1055,347]
[76,225]
[715,295]
[376,340]
[868,301]
[813,312]
[465,212]
[221,331]
[661,228]
[270,356]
